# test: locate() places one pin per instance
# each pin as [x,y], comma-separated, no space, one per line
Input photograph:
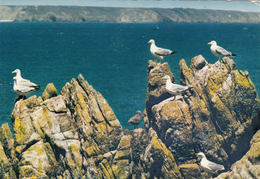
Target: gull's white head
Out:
[213,42]
[200,155]
[17,71]
[166,77]
[151,41]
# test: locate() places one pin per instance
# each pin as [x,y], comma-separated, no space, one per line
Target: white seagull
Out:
[159,52]
[219,51]
[174,89]
[208,165]
[22,86]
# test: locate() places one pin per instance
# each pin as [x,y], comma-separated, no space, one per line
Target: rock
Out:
[219,115]
[156,86]
[248,165]
[190,171]
[159,161]
[77,135]
[49,92]
[8,160]
[198,62]
[62,136]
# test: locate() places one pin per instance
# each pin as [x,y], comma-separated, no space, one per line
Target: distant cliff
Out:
[122,15]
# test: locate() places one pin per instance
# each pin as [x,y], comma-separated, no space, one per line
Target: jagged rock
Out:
[156,87]
[8,160]
[219,115]
[61,136]
[160,161]
[49,92]
[248,166]
[77,135]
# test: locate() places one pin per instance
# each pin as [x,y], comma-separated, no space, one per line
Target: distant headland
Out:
[122,15]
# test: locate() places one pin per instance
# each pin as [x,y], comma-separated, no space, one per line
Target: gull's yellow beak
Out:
[13,72]
[209,43]
[149,42]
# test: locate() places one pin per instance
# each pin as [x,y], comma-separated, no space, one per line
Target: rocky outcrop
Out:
[72,135]
[122,15]
[77,135]
[248,166]
[218,115]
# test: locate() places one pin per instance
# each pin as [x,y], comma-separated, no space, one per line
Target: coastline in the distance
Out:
[122,15]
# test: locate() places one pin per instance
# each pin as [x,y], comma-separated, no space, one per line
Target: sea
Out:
[113,57]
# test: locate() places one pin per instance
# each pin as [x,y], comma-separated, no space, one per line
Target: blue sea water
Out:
[113,57]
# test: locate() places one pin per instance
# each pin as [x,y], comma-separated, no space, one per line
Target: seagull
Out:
[174,89]
[22,86]
[135,120]
[159,52]
[208,165]
[219,51]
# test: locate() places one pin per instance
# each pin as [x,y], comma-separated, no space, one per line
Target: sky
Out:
[239,5]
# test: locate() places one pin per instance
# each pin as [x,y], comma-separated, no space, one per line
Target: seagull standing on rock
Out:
[174,89]
[22,86]
[208,165]
[135,120]
[219,51]
[159,52]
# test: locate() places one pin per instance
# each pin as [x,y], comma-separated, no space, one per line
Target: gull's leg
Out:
[218,58]
[174,98]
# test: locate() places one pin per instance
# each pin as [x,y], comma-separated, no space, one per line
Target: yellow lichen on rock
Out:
[163,162]
[106,169]
[20,131]
[105,108]
[121,169]
[50,91]
[190,171]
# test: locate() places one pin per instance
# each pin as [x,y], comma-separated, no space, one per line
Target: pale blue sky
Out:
[215,4]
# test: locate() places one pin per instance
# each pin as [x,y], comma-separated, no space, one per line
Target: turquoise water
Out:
[113,57]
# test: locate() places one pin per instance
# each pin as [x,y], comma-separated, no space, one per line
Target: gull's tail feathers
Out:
[37,87]
[173,52]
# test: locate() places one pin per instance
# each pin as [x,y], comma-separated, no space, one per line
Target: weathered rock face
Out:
[65,135]
[218,115]
[248,166]
[77,135]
